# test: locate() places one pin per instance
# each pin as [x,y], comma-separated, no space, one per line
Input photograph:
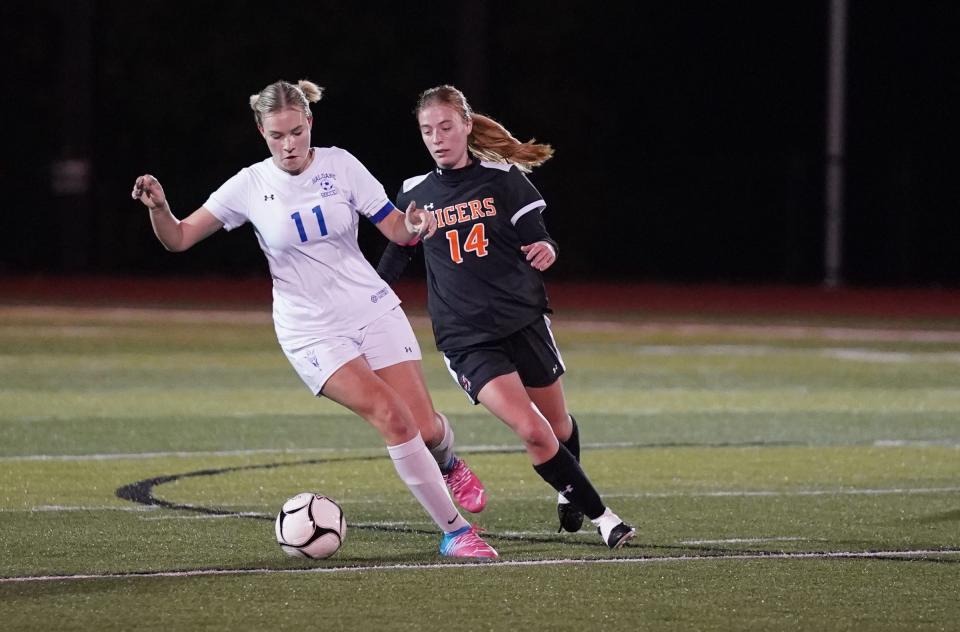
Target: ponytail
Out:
[491,141]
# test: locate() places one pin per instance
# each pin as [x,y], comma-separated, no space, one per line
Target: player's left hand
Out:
[540,254]
[420,222]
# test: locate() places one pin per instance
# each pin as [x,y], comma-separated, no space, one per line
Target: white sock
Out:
[420,473]
[606,522]
[443,451]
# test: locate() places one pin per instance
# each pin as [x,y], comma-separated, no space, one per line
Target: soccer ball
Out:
[310,525]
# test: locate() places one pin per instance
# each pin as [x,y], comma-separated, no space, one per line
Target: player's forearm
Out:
[167,228]
[394,228]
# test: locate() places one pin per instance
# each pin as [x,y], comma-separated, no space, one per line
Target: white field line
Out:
[263,317]
[746,540]
[529,497]
[788,332]
[852,354]
[239,514]
[466,449]
[904,554]
[72,508]
[788,493]
[345,452]
[176,453]
[913,443]
[126,315]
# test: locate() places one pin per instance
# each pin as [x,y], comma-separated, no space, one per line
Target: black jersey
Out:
[480,285]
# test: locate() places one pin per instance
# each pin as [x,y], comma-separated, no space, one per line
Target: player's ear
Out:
[260,129]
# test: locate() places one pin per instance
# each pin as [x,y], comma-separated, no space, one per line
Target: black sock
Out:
[564,474]
[573,443]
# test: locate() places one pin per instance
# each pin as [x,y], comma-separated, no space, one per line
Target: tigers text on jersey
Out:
[480,285]
[307,228]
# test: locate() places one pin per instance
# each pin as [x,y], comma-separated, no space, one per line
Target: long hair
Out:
[488,140]
[281,95]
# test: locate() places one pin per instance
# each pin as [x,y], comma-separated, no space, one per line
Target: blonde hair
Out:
[488,140]
[281,95]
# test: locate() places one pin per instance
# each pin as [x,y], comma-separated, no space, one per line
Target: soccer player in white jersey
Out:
[486,296]
[339,324]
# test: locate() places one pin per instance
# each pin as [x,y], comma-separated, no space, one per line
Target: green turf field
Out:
[783,475]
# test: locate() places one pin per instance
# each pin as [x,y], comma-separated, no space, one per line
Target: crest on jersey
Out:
[327,186]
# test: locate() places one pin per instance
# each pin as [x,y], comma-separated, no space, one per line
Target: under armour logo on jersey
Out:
[428,207]
[567,490]
[266,197]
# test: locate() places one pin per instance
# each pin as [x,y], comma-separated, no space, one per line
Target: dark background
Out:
[690,136]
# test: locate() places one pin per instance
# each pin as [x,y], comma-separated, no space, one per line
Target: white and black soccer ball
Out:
[310,525]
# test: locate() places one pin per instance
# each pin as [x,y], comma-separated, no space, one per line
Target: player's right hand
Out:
[147,189]
[419,222]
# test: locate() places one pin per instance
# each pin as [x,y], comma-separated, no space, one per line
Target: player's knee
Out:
[389,417]
[536,436]
[431,429]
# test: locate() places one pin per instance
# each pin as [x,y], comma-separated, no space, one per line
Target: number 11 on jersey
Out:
[299,222]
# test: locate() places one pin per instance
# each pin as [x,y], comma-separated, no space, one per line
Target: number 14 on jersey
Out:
[475,242]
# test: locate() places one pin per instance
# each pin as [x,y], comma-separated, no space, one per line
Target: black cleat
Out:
[618,535]
[571,518]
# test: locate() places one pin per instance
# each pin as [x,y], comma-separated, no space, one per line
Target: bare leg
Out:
[506,398]
[552,405]
[357,387]
[406,378]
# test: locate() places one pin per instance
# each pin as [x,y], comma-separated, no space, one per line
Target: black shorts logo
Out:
[465,383]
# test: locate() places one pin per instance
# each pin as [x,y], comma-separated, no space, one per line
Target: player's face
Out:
[445,133]
[287,133]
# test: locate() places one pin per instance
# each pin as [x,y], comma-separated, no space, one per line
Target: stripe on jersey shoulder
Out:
[409,183]
[526,209]
[377,217]
[502,166]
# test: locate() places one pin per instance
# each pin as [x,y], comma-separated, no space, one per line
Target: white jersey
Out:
[307,226]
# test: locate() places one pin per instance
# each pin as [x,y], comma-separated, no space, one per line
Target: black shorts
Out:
[531,352]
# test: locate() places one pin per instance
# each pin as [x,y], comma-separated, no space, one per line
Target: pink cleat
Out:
[465,542]
[466,488]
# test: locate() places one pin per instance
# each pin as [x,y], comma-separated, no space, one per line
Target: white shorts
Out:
[386,341]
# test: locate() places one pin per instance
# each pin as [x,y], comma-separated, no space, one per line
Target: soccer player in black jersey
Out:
[486,296]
